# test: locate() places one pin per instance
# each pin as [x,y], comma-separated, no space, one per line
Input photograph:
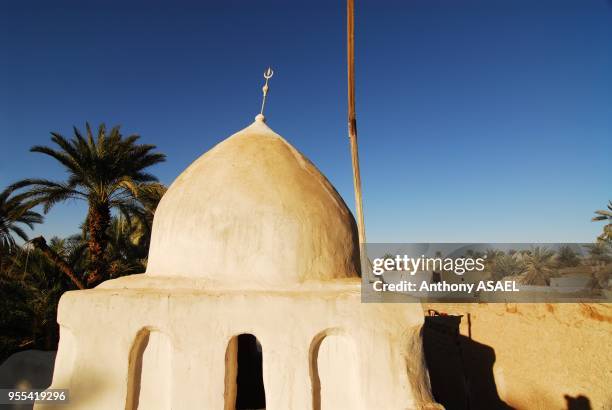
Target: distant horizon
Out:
[478,121]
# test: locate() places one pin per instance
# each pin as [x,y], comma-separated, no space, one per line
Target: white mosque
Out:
[251,299]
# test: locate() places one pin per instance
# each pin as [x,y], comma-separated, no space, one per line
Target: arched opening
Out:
[244,387]
[150,369]
[334,372]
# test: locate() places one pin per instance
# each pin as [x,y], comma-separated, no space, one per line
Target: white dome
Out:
[253,211]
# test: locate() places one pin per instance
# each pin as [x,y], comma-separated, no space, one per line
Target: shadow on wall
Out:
[577,403]
[460,369]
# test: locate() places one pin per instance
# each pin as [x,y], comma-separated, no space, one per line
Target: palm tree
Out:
[108,172]
[149,196]
[605,215]
[567,257]
[13,213]
[599,253]
[29,293]
[538,263]
[129,235]
[491,256]
[505,265]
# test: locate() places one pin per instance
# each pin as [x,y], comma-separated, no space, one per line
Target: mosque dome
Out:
[253,211]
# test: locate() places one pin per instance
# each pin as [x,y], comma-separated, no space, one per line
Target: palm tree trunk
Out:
[2,258]
[41,244]
[98,221]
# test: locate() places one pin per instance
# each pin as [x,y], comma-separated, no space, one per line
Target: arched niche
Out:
[334,371]
[150,370]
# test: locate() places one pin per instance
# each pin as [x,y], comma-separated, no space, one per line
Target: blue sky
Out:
[479,120]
